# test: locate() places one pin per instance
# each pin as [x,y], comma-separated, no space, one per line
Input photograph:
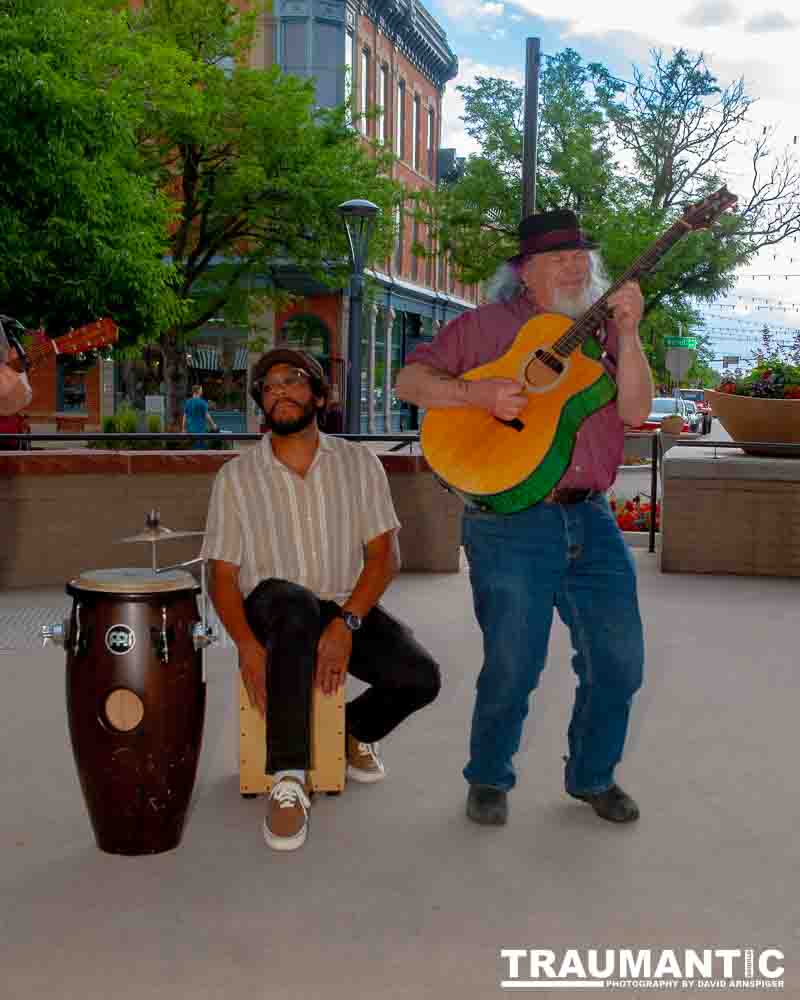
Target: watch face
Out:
[353,622]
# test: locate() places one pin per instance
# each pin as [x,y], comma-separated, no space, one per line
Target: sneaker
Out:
[363,762]
[286,820]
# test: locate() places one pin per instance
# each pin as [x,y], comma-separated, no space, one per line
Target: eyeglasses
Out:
[290,381]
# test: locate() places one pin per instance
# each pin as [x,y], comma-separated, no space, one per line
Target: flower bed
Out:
[635,514]
[771,379]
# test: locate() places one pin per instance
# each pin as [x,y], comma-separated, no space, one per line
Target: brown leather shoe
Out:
[286,819]
[612,804]
[363,761]
[487,805]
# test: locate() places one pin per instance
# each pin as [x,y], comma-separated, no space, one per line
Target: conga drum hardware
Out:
[155,532]
[57,633]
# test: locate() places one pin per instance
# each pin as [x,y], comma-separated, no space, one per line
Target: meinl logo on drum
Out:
[120,639]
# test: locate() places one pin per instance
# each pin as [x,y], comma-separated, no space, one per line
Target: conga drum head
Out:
[135,703]
[133,580]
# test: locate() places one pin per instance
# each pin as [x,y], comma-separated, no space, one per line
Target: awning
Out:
[205,359]
[240,359]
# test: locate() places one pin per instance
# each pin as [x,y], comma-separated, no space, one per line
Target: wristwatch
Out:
[353,622]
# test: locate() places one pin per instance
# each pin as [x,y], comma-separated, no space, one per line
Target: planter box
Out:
[732,514]
[748,418]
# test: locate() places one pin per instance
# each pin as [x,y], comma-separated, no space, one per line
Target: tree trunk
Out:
[175,377]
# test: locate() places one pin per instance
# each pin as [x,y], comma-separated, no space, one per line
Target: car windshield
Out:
[664,406]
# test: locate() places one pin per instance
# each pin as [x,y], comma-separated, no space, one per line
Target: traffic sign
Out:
[688,342]
[678,361]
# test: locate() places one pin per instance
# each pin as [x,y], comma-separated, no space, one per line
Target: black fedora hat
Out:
[545,232]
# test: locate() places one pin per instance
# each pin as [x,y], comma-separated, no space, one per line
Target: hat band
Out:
[555,238]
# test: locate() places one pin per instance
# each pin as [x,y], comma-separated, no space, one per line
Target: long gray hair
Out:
[506,283]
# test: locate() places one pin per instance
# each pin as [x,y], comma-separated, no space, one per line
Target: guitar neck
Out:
[593,319]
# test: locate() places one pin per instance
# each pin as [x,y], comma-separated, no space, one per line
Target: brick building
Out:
[394,56]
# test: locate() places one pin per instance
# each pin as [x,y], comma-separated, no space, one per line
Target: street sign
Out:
[730,362]
[688,342]
[678,361]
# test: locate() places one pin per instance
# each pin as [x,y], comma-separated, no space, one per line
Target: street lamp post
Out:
[359,218]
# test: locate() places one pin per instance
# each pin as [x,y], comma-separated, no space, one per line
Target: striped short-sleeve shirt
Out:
[309,530]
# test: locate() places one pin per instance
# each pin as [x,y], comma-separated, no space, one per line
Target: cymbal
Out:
[159,535]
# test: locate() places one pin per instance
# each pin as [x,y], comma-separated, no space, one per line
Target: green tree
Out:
[627,157]
[82,230]
[257,170]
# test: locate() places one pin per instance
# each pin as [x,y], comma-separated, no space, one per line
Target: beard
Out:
[283,426]
[575,304]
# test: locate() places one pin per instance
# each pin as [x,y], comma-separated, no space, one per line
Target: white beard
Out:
[574,304]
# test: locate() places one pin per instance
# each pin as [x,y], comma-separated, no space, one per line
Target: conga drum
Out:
[135,702]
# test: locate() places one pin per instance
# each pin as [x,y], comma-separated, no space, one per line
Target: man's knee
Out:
[427,681]
[279,603]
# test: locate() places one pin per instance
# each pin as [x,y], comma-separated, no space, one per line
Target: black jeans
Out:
[288,620]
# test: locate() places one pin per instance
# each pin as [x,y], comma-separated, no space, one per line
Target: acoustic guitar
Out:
[101,333]
[509,465]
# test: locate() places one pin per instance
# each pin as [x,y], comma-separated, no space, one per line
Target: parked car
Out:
[666,406]
[694,417]
[698,397]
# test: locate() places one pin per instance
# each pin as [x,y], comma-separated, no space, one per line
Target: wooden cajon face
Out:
[327,744]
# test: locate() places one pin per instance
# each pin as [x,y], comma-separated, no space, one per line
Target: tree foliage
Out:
[627,157]
[218,170]
[82,231]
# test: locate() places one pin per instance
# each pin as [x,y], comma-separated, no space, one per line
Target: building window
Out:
[364,88]
[383,101]
[327,63]
[429,261]
[431,142]
[295,54]
[348,68]
[400,124]
[415,134]
[398,243]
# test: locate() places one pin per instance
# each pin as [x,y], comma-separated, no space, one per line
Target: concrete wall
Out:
[64,512]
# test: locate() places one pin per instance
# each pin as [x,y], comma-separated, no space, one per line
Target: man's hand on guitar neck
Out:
[504,398]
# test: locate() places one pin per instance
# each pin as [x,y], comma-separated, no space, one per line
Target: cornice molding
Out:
[420,38]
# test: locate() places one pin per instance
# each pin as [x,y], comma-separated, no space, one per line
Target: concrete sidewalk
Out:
[396,894]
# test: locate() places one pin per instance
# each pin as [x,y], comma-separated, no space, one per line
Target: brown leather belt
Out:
[568,496]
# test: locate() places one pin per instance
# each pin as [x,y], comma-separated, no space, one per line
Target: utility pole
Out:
[530,133]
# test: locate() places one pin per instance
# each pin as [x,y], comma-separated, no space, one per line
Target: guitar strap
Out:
[8,341]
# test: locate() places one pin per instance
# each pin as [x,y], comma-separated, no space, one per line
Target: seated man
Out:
[301,542]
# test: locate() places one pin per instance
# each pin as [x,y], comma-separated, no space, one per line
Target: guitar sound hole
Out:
[543,370]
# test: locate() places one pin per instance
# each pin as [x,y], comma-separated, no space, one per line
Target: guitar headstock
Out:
[707,211]
[85,338]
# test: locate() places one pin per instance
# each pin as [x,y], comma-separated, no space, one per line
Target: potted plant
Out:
[762,406]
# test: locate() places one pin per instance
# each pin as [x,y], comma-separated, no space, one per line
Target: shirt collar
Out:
[325,446]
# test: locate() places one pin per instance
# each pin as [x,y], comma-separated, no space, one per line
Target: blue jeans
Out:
[523,565]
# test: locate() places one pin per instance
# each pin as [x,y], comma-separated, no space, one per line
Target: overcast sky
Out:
[758,42]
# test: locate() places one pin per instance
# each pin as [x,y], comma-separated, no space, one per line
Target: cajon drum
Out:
[327,744]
